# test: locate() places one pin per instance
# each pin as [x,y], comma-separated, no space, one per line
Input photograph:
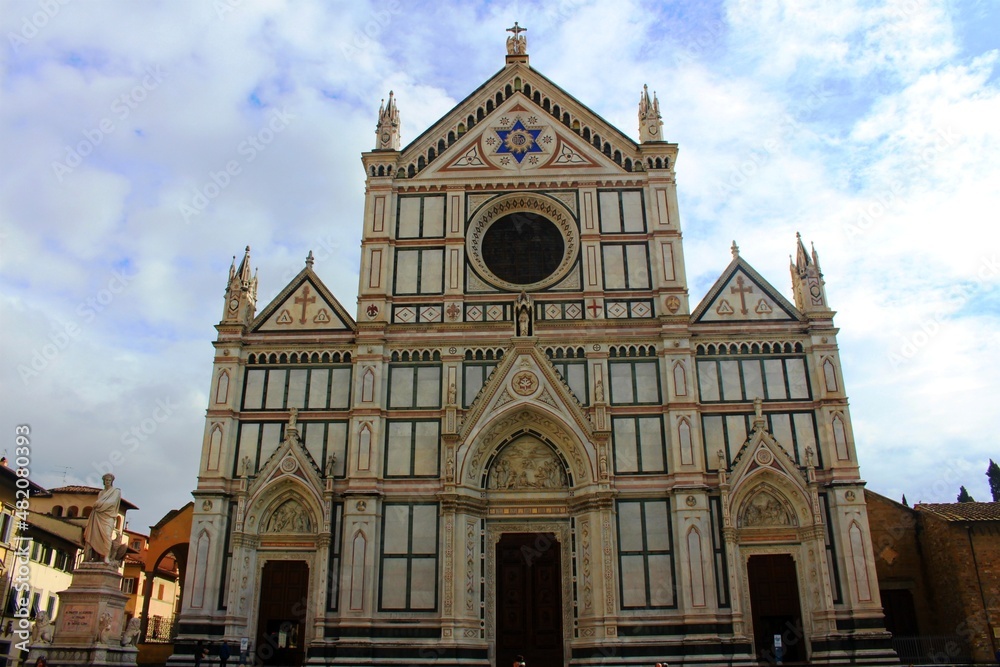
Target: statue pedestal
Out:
[88,629]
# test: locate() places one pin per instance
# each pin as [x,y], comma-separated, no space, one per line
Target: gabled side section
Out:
[742,295]
[304,305]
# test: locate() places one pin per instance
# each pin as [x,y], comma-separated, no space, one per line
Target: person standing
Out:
[224,653]
[199,653]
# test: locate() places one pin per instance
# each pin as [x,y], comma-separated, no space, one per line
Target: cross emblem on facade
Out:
[593,308]
[305,300]
[742,291]
[517,30]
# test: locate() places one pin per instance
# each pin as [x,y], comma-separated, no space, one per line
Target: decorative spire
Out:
[735,249]
[309,260]
[517,45]
[241,293]
[387,130]
[807,279]
[649,117]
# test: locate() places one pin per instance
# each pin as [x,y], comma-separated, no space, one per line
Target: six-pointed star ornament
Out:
[518,141]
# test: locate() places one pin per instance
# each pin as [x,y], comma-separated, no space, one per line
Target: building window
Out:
[333,576]
[159,592]
[575,375]
[420,217]
[419,271]
[646,569]
[412,448]
[621,211]
[129,584]
[72,512]
[327,388]
[744,379]
[634,382]
[638,445]
[86,511]
[412,386]
[57,511]
[409,558]
[794,431]
[626,266]
[475,375]
[5,527]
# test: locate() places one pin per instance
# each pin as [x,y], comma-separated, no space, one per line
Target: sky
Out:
[869,127]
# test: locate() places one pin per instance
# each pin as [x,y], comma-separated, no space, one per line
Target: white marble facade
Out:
[524,372]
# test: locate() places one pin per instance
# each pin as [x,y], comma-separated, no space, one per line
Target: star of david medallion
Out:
[518,141]
[524,383]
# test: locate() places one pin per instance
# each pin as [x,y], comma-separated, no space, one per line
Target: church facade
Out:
[527,441]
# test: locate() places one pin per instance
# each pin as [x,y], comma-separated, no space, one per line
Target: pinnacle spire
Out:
[241,292]
[387,130]
[309,260]
[650,120]
[807,279]
[735,249]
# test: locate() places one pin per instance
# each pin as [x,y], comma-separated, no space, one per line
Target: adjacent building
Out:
[938,567]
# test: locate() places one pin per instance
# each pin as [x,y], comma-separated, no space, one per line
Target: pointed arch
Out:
[214,446]
[365,446]
[859,564]
[696,568]
[198,580]
[368,385]
[830,375]
[496,432]
[840,437]
[680,379]
[222,387]
[359,553]
[684,441]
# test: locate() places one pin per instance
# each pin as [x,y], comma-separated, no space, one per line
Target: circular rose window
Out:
[523,242]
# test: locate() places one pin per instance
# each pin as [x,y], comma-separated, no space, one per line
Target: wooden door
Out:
[529,600]
[282,620]
[774,603]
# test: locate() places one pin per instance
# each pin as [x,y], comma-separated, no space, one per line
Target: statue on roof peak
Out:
[517,44]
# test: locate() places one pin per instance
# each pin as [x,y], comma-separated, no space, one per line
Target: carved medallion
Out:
[763,457]
[289,464]
[524,383]
[672,303]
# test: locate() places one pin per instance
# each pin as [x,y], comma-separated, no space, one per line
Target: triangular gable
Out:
[289,461]
[525,376]
[304,305]
[742,295]
[519,137]
[510,84]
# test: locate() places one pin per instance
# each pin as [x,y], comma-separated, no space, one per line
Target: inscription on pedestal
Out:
[78,620]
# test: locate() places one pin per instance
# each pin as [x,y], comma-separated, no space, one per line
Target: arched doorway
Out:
[775,608]
[281,618]
[529,599]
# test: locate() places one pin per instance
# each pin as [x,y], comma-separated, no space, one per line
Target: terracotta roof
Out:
[962,511]
[81,489]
